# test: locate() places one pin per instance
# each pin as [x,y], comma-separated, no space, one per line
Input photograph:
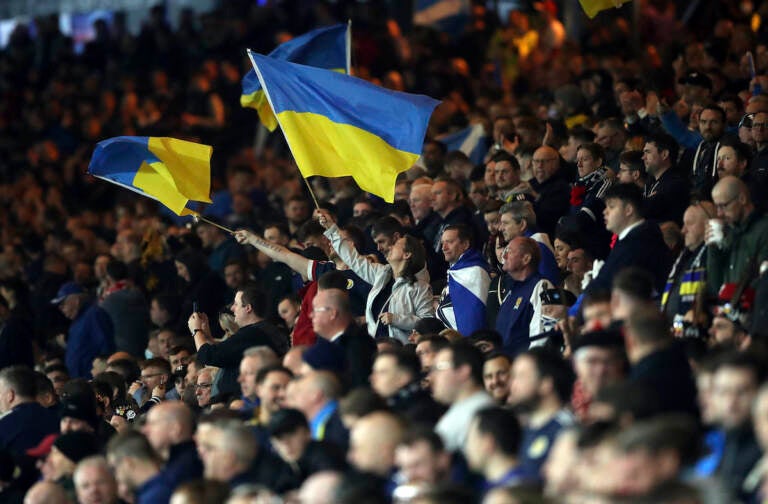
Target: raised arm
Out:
[296,262]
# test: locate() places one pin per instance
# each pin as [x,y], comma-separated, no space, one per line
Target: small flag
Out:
[171,171]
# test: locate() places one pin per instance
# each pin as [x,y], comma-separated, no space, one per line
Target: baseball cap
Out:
[77,445]
[697,79]
[67,289]
[43,448]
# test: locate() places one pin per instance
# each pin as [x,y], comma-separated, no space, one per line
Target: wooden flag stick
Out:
[198,218]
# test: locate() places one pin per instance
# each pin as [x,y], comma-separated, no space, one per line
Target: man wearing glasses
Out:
[746,235]
[759,163]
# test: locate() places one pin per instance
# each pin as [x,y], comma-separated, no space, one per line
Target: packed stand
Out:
[571,308]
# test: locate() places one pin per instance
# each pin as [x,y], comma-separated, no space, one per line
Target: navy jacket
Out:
[183,464]
[91,334]
[25,426]
[644,248]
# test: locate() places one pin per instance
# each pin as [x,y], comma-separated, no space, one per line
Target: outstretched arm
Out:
[296,262]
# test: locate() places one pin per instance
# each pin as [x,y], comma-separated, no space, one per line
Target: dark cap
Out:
[557,297]
[697,79]
[67,289]
[79,408]
[601,339]
[77,445]
[286,421]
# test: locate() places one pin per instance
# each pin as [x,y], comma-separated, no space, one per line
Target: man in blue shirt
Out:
[540,388]
[137,468]
[91,333]
[520,312]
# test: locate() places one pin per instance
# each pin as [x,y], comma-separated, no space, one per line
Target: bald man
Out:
[333,321]
[46,492]
[549,188]
[373,442]
[746,235]
[689,273]
[169,429]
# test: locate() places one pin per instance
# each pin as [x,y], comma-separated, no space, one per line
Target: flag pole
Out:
[198,218]
[311,192]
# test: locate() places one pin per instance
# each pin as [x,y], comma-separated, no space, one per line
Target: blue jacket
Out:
[91,334]
[25,426]
[183,464]
[156,490]
[515,314]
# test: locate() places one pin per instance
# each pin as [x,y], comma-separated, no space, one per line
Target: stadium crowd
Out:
[571,307]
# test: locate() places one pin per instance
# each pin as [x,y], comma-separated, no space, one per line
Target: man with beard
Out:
[496,376]
[539,388]
[704,157]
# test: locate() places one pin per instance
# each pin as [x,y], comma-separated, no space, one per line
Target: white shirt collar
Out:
[629,228]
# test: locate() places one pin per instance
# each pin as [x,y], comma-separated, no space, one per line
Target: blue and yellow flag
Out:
[337,125]
[327,48]
[174,172]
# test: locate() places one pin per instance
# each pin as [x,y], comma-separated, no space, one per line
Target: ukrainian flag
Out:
[338,126]
[173,172]
[323,48]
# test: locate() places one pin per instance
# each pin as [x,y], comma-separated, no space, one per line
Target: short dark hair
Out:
[648,325]
[462,230]
[636,282]
[254,295]
[310,228]
[664,142]
[464,353]
[502,425]
[405,361]
[502,156]
[582,134]
[274,368]
[595,150]
[716,108]
[628,194]
[550,364]
[128,368]
[423,433]
[157,362]
[634,161]
[387,226]
[742,360]
[356,236]
[21,379]
[742,150]
[282,228]
[43,384]
[117,270]
[333,279]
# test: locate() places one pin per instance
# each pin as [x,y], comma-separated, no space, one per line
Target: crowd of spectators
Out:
[577,314]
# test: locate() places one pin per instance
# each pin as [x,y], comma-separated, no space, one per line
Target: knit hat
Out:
[77,445]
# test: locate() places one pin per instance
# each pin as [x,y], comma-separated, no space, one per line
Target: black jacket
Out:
[228,354]
[359,351]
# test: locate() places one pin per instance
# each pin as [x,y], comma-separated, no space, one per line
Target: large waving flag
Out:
[327,48]
[338,126]
[173,172]
[592,7]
